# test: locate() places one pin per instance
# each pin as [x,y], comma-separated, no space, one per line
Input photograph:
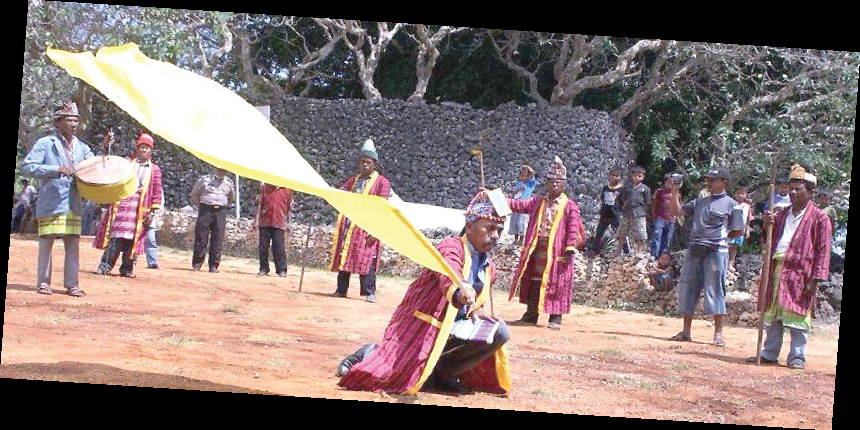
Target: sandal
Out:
[44,289]
[76,292]
[681,337]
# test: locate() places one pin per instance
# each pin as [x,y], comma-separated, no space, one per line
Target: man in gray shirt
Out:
[24,204]
[716,219]
[212,194]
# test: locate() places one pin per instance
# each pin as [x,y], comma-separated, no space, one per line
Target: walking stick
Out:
[480,155]
[765,267]
[305,250]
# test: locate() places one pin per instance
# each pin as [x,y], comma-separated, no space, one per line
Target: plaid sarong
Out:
[538,260]
[125,221]
[777,312]
[62,224]
[478,330]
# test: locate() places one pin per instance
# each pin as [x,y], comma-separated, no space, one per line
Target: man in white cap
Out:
[58,210]
[353,249]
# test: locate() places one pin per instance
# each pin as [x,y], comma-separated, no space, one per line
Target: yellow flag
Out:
[221,128]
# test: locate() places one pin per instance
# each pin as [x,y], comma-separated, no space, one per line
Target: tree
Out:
[428,53]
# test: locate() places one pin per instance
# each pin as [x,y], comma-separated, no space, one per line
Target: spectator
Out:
[151,244]
[661,273]
[272,219]
[740,194]
[663,220]
[212,194]
[715,219]
[610,212]
[26,198]
[823,201]
[634,200]
[521,190]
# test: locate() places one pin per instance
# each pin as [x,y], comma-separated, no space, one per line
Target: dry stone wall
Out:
[604,282]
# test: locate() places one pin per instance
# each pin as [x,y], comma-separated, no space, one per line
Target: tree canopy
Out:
[686,105]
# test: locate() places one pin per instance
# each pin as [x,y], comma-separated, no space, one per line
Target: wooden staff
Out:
[765,267]
[480,155]
[305,250]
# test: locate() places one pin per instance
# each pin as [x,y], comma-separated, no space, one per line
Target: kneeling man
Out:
[439,336]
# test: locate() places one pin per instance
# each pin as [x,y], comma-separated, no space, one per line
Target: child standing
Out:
[634,200]
[661,273]
[610,212]
[662,218]
[740,194]
[521,190]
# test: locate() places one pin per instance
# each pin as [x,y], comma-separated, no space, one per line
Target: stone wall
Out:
[424,150]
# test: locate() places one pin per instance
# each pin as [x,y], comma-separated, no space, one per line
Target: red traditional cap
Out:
[145,139]
[67,109]
[481,207]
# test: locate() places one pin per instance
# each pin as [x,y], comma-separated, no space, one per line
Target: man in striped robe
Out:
[544,275]
[353,250]
[438,337]
[123,229]
[800,259]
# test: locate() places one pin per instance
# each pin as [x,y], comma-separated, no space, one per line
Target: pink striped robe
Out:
[807,257]
[358,256]
[418,331]
[567,233]
[147,197]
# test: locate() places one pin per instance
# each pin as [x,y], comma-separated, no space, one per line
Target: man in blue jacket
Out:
[58,210]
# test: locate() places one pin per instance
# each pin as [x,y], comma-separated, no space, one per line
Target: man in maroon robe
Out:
[800,259]
[438,337]
[544,275]
[353,250]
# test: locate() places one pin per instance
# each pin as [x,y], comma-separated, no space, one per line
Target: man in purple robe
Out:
[439,337]
[544,275]
[353,250]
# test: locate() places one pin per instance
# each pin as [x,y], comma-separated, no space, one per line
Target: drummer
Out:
[52,159]
[125,223]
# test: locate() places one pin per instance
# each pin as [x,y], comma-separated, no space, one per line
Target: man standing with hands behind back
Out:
[212,194]
[716,218]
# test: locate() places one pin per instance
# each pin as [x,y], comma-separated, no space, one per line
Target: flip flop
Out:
[681,337]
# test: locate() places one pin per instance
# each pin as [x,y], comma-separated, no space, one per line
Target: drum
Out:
[105,179]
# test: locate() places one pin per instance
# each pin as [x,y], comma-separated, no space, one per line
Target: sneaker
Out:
[751,360]
[196,267]
[282,274]
[213,270]
[44,289]
[152,266]
[336,294]
[371,298]
[796,364]
[262,273]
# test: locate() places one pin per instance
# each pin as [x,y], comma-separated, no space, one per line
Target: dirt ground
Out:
[236,332]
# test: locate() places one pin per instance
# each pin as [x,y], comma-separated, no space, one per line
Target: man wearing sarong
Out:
[352,249]
[800,259]
[439,337]
[544,275]
[125,223]
[53,159]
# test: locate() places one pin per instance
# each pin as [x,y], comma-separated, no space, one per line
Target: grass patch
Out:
[49,319]
[178,341]
[539,341]
[278,362]
[17,338]
[680,367]
[612,337]
[320,319]
[230,309]
[540,391]
[352,337]
[630,382]
[263,338]
[610,352]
